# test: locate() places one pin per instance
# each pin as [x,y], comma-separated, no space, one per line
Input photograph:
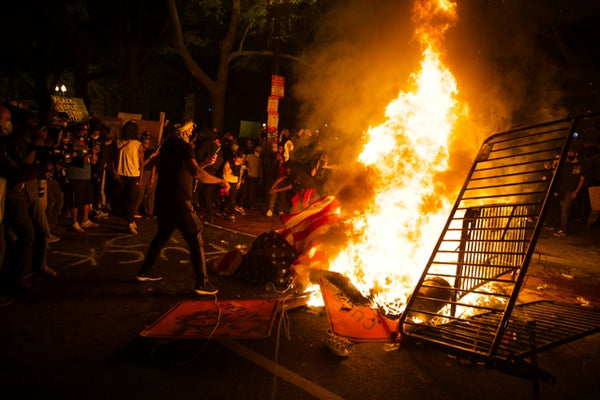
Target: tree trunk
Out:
[217,87]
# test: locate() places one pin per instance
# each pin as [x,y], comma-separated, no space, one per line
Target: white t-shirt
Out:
[129,158]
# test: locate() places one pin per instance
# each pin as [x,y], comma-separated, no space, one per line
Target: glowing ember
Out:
[394,239]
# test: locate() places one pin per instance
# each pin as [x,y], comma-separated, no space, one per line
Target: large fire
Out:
[394,239]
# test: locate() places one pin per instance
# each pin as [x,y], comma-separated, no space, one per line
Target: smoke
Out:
[363,54]
[524,62]
[512,61]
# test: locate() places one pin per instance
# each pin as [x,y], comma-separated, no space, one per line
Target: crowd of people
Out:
[51,167]
[272,177]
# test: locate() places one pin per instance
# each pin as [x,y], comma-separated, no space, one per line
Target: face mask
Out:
[257,154]
[8,127]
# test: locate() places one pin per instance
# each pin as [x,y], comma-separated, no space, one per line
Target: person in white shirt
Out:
[129,168]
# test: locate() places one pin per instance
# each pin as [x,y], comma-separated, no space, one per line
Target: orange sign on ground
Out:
[224,319]
[354,322]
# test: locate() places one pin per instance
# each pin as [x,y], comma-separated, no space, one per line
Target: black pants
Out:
[130,189]
[185,219]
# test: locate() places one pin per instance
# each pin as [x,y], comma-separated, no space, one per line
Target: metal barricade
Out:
[466,298]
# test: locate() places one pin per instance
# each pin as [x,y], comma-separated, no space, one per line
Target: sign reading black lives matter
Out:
[73,106]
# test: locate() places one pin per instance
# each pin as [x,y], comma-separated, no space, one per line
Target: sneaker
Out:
[78,227]
[47,271]
[102,215]
[560,233]
[89,224]
[269,213]
[53,239]
[138,215]
[240,210]
[230,218]
[133,228]
[205,289]
[147,277]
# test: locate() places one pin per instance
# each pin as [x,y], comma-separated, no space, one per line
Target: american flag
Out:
[302,230]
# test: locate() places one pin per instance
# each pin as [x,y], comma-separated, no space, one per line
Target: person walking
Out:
[173,204]
[131,161]
[255,175]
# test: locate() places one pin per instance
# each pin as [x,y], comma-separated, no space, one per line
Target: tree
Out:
[229,24]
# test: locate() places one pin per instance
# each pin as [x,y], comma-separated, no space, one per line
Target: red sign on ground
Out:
[224,319]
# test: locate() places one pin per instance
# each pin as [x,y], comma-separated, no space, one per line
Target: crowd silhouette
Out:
[54,169]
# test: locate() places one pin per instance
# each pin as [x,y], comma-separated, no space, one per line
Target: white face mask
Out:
[8,127]
[257,154]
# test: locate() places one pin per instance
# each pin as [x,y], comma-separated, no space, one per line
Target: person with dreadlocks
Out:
[173,204]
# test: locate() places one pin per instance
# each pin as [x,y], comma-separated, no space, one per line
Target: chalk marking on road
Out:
[284,373]
[214,253]
[110,242]
[164,250]
[230,230]
[139,254]
[91,257]
[219,248]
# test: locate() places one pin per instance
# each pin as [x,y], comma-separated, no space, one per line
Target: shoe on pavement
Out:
[147,277]
[89,224]
[240,210]
[78,227]
[53,239]
[47,271]
[133,228]
[560,233]
[205,289]
[269,213]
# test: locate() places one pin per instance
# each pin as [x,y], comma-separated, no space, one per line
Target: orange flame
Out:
[394,239]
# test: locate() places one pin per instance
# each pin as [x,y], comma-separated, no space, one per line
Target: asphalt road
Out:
[78,336]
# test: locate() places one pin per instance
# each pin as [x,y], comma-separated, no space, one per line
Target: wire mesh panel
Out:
[480,260]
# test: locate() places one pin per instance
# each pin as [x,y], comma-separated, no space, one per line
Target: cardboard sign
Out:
[249,129]
[72,106]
